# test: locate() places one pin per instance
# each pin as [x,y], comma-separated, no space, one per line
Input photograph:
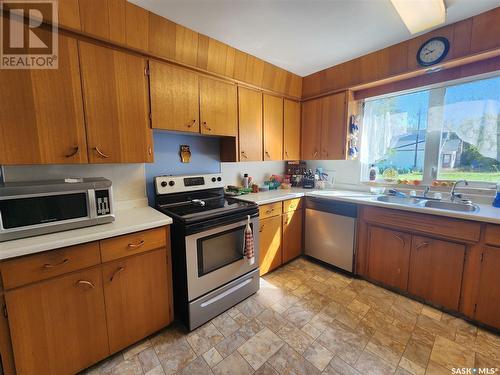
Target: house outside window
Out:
[444,133]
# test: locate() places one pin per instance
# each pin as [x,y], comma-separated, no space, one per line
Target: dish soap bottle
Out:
[496,201]
[373,173]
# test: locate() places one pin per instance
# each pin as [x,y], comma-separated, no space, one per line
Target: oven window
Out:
[220,249]
[22,212]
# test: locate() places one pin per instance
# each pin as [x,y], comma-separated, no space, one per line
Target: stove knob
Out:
[219,179]
[213,179]
[171,183]
[163,183]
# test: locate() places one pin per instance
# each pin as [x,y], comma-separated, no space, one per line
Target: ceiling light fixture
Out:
[420,15]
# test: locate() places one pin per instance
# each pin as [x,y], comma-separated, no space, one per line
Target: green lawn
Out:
[454,176]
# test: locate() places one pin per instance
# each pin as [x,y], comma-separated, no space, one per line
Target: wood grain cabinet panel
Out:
[436,269]
[270,256]
[69,14]
[388,257]
[488,300]
[94,17]
[41,128]
[218,107]
[174,98]
[311,129]
[270,209]
[58,326]
[273,127]
[136,291]
[115,92]
[136,26]
[250,124]
[333,127]
[292,235]
[291,130]
[6,355]
[484,27]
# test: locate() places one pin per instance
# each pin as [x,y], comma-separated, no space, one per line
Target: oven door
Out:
[215,257]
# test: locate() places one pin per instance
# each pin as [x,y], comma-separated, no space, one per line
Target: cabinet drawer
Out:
[270,210]
[292,205]
[492,234]
[134,243]
[31,268]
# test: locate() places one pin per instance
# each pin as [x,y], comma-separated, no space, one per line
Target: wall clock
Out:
[433,51]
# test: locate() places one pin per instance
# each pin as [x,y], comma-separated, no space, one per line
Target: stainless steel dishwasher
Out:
[330,231]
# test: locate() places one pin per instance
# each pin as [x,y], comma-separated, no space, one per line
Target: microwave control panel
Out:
[102,200]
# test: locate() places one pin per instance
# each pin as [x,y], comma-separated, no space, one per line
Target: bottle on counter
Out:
[373,173]
[496,201]
[245,181]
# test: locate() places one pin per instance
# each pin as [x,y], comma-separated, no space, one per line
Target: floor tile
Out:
[298,315]
[175,357]
[197,367]
[212,357]
[431,312]
[288,361]
[369,363]
[272,320]
[296,338]
[250,308]
[234,364]
[225,324]
[130,366]
[148,359]
[412,367]
[338,367]
[260,347]
[203,338]
[136,349]
[386,348]
[158,370]
[449,354]
[318,355]
[436,327]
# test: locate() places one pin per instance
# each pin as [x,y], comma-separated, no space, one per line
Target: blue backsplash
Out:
[205,157]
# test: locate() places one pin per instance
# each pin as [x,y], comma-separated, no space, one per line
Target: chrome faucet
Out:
[426,191]
[455,195]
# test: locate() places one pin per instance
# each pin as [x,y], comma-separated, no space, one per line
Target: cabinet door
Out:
[174,98]
[311,129]
[6,355]
[270,244]
[273,128]
[218,107]
[115,91]
[41,112]
[488,300]
[291,130]
[333,127]
[58,326]
[292,235]
[250,124]
[388,257]
[436,269]
[136,291]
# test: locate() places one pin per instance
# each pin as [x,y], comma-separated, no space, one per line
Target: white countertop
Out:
[487,213]
[126,221]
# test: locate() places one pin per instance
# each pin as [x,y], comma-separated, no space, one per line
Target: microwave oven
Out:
[40,207]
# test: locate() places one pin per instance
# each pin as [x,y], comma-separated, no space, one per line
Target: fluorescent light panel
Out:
[420,15]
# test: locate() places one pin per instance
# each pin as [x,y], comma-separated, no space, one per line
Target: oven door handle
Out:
[226,293]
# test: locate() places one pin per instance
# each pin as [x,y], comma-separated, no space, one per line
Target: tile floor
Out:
[309,320]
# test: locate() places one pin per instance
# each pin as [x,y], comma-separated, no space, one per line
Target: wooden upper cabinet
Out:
[250,124]
[174,98]
[41,117]
[488,300]
[273,127]
[58,326]
[311,129]
[388,257]
[436,269]
[94,17]
[333,127]
[484,27]
[218,107]
[69,14]
[136,291]
[137,26]
[115,91]
[291,130]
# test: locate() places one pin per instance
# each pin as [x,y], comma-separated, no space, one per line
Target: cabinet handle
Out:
[286,153]
[206,126]
[403,243]
[267,154]
[136,245]
[192,124]
[244,155]
[261,228]
[423,244]
[48,265]
[315,154]
[150,151]
[118,270]
[85,282]
[75,151]
[269,211]
[100,153]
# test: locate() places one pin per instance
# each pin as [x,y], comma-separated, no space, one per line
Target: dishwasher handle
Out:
[332,206]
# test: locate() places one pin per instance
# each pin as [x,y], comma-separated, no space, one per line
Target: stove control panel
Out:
[178,184]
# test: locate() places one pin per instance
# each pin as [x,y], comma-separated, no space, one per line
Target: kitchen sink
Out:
[408,201]
[452,206]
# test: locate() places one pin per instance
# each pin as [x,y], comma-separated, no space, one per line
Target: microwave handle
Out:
[1,222]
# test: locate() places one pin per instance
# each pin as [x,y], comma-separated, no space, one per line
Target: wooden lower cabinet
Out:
[388,257]
[488,299]
[292,235]
[270,256]
[58,326]
[137,299]
[6,355]
[436,269]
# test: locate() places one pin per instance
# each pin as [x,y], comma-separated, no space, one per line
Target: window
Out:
[443,133]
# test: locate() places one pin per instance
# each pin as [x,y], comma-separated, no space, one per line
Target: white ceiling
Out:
[302,36]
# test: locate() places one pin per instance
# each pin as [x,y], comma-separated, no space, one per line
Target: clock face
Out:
[433,51]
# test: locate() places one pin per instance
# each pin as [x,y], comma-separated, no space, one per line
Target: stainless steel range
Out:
[209,269]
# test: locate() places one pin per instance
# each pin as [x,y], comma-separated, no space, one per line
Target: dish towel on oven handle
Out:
[248,252]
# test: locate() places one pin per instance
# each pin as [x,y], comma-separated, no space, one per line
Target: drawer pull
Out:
[136,245]
[48,265]
[86,283]
[73,153]
[267,154]
[119,269]
[423,244]
[261,229]
[206,126]
[403,243]
[269,211]
[192,124]
[100,153]
[315,154]
[244,155]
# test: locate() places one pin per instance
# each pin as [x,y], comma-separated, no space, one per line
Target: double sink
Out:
[420,202]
